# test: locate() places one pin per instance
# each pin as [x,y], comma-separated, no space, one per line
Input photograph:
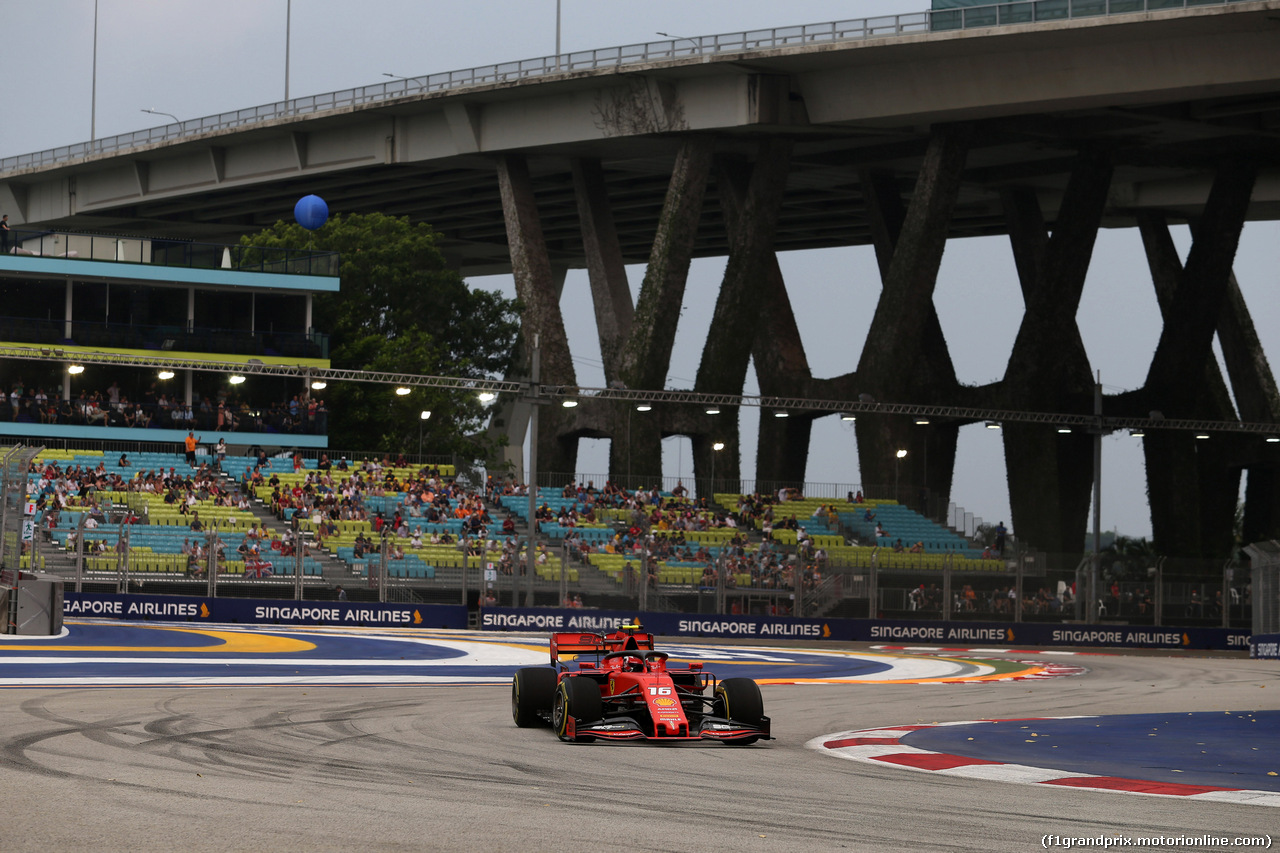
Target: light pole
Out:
[697,46]
[163,113]
[902,454]
[93,93]
[715,448]
[288,20]
[557,35]
[422,420]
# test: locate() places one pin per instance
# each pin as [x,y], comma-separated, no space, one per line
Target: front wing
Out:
[709,728]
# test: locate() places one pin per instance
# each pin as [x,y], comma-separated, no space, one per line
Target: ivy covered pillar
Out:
[611,299]
[931,448]
[610,293]
[895,363]
[782,368]
[751,195]
[1191,517]
[1050,473]
[1257,397]
[645,356]
[537,288]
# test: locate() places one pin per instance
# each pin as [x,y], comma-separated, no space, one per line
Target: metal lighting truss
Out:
[529,391]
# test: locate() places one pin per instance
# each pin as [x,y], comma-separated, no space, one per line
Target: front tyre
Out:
[739,700]
[577,698]
[533,691]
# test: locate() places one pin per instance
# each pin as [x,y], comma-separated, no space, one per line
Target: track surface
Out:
[443,768]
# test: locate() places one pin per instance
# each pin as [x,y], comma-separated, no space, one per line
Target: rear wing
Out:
[576,644]
[596,644]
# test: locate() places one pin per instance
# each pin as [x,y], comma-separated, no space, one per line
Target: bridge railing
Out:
[1000,14]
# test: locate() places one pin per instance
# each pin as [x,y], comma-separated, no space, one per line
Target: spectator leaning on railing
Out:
[114,409]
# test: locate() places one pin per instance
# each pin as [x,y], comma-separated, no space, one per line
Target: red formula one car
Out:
[625,691]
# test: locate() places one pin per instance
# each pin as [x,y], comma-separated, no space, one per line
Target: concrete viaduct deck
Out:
[1043,132]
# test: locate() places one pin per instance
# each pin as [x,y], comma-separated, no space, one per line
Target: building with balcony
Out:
[138,340]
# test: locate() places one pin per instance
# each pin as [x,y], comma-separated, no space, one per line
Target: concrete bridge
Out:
[900,138]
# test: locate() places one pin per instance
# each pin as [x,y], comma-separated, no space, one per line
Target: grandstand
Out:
[152,299]
[160,534]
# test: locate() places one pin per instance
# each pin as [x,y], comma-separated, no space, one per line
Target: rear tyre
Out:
[578,698]
[739,699]
[533,691]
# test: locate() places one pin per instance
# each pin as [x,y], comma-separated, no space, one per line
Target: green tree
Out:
[402,309]
[1128,558]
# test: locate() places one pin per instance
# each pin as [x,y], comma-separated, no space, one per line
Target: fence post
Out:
[946,590]
[1017,589]
[1158,617]
[873,590]
[798,583]
[84,516]
[298,556]
[564,571]
[382,568]
[211,560]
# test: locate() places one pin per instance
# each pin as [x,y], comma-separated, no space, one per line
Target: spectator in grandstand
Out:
[124,461]
[4,234]
[868,515]
[342,593]
[190,443]
[196,524]
[1001,532]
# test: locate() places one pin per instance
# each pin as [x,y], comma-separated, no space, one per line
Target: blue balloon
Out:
[311,212]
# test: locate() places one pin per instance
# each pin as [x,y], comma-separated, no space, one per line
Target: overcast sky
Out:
[194,57]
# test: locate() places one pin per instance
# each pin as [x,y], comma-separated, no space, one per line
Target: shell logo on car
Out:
[664,702]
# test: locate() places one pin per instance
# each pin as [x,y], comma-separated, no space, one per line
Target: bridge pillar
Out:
[896,362]
[751,195]
[1259,401]
[645,355]
[536,287]
[1192,490]
[782,368]
[610,293]
[929,465]
[1193,484]
[1050,474]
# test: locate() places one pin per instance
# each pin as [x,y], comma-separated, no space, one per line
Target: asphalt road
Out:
[444,768]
